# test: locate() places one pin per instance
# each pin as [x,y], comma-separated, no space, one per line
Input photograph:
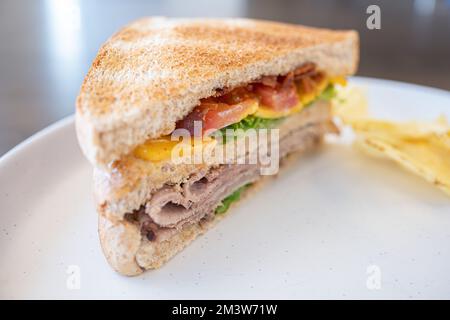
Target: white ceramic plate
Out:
[338,224]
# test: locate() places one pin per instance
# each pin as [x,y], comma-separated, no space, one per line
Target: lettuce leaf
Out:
[235,196]
[252,122]
[328,94]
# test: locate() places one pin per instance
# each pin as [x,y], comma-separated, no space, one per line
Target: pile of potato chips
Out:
[421,147]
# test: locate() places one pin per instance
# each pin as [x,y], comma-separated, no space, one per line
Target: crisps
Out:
[421,147]
[426,158]
[350,103]
[410,130]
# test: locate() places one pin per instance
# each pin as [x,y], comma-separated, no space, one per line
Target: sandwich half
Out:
[158,76]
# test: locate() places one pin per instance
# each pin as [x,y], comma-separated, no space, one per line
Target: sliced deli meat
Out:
[173,206]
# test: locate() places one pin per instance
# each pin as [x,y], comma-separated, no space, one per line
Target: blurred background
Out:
[47,46]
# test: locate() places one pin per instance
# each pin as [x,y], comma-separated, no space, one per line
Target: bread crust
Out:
[120,241]
[154,71]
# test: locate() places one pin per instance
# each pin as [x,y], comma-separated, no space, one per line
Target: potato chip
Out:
[421,147]
[425,158]
[350,103]
[407,130]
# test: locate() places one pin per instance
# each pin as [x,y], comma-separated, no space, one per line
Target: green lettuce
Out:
[328,94]
[252,122]
[235,196]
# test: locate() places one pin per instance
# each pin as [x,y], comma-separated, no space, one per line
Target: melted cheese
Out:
[161,149]
[269,113]
[156,149]
[339,80]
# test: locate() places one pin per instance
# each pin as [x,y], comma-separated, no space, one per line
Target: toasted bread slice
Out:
[154,72]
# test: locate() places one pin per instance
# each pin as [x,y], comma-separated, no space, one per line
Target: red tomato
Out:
[217,115]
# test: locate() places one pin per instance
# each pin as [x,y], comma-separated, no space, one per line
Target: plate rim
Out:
[35,137]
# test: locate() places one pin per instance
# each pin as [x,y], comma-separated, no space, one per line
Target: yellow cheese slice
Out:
[160,149]
[269,113]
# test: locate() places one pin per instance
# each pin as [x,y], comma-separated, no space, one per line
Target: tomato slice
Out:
[216,115]
[281,97]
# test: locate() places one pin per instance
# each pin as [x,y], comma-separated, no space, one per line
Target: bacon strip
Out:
[304,70]
[276,92]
